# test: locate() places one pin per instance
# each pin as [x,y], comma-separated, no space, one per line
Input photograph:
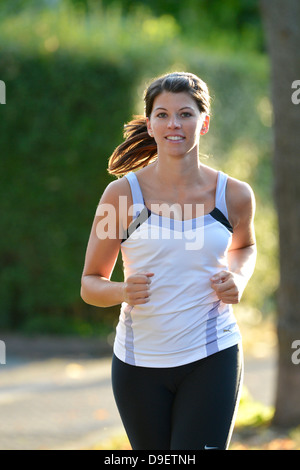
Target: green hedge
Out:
[58,130]
[70,87]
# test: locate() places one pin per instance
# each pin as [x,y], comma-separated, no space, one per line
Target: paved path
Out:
[67,402]
[56,403]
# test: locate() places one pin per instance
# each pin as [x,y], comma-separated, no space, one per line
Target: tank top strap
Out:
[220,201]
[136,192]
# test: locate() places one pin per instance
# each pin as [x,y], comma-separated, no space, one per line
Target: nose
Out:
[174,122]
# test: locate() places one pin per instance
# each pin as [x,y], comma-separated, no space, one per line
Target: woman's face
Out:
[176,123]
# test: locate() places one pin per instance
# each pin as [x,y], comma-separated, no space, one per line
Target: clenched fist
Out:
[228,286]
[136,288]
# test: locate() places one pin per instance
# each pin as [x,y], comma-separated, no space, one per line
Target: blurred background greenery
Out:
[75,71]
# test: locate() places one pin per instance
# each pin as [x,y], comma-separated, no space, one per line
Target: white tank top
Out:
[184,320]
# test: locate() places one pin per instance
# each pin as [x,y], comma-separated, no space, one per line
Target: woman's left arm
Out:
[229,285]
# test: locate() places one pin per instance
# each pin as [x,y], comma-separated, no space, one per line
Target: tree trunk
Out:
[281,19]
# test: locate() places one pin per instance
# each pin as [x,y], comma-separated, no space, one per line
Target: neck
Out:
[178,172]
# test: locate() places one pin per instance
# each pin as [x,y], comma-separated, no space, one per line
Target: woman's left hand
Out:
[228,286]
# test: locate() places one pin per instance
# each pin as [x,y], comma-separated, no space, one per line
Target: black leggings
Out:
[188,407]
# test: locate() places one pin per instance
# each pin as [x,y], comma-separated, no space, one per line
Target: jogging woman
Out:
[187,239]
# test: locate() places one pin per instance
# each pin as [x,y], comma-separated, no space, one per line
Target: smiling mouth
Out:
[175,138]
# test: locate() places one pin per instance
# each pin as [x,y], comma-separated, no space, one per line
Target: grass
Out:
[254,429]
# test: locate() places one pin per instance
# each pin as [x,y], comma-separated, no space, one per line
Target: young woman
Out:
[187,240]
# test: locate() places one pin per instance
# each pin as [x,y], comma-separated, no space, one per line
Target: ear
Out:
[149,128]
[205,125]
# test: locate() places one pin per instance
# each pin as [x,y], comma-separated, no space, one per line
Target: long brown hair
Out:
[138,148]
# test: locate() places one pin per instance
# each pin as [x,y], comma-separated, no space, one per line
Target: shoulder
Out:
[211,174]
[117,195]
[240,200]
[114,190]
[239,191]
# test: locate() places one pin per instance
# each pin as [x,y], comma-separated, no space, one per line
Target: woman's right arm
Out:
[102,252]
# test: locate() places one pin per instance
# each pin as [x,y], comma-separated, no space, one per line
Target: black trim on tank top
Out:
[220,217]
[145,214]
[141,218]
